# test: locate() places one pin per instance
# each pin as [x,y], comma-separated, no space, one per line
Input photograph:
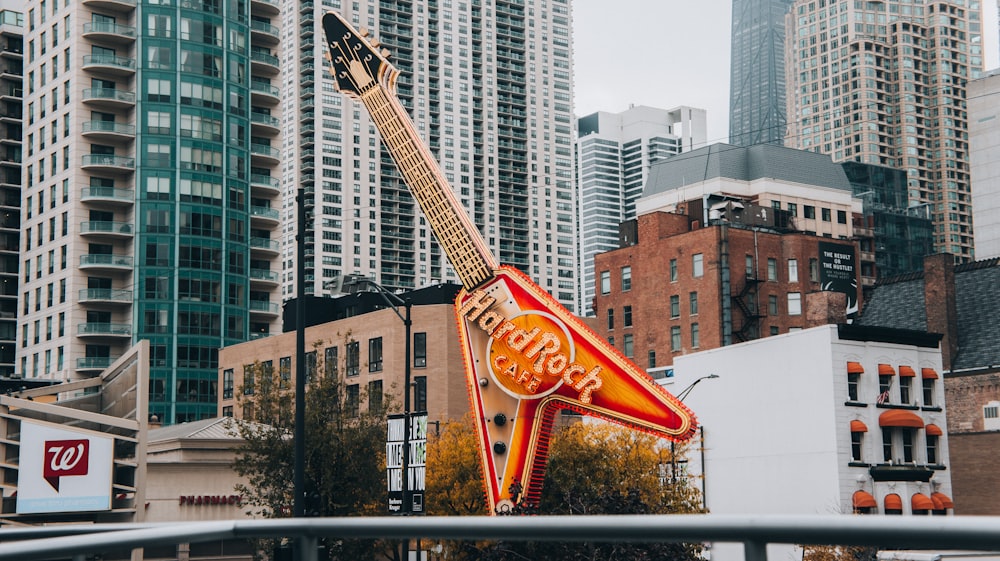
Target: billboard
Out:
[396,440]
[63,470]
[838,272]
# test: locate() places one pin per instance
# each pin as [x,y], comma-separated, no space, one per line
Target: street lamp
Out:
[673,445]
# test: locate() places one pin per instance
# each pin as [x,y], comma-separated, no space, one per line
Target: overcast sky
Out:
[665,53]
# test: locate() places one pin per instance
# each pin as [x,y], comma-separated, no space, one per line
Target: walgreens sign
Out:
[63,470]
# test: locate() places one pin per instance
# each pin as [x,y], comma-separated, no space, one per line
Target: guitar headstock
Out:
[356,63]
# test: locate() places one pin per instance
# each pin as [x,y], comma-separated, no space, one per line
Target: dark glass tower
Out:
[757,72]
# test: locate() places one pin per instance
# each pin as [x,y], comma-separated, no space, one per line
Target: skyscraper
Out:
[614,153]
[757,72]
[151,190]
[11,133]
[885,83]
[489,90]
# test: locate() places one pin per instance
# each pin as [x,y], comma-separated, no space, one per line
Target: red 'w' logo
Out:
[65,457]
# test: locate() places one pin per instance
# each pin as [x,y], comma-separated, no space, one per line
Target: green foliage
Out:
[345,452]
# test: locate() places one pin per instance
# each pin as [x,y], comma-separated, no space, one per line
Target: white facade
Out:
[614,153]
[778,426]
[984,157]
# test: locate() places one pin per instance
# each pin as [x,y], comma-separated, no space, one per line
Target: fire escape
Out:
[747,303]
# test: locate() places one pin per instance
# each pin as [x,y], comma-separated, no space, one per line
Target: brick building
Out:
[961,302]
[681,288]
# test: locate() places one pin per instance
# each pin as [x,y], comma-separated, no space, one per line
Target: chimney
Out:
[939,301]
[824,308]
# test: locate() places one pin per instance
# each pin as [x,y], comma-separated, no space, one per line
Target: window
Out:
[905,384]
[928,384]
[675,306]
[310,366]
[825,214]
[794,304]
[605,282]
[627,316]
[853,381]
[627,345]
[675,338]
[841,217]
[814,269]
[886,444]
[626,279]
[673,270]
[420,350]
[227,411]
[809,211]
[856,441]
[651,357]
[227,383]
[351,398]
[353,358]
[932,449]
[793,209]
[330,361]
[907,445]
[611,318]
[772,304]
[375,354]
[285,372]
[375,396]
[884,383]
[695,335]
[697,265]
[774,330]
[793,270]
[248,379]
[772,269]
[693,303]
[420,393]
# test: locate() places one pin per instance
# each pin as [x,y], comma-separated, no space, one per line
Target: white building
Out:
[984,157]
[793,425]
[614,152]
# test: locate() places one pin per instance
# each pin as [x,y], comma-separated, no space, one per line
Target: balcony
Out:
[264,216]
[264,246]
[107,263]
[262,123]
[105,296]
[94,363]
[107,229]
[271,7]
[13,93]
[264,64]
[108,163]
[261,92]
[262,33]
[264,154]
[108,130]
[264,185]
[110,64]
[109,98]
[100,329]
[264,308]
[263,278]
[111,5]
[107,196]
[109,31]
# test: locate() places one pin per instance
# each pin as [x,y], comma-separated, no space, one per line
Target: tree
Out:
[345,449]
[593,468]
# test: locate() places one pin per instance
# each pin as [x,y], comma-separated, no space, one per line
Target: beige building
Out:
[366,349]
[885,83]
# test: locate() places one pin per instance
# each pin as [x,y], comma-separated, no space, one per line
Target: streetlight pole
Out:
[299,479]
[673,445]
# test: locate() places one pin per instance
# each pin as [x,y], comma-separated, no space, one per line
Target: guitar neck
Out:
[462,243]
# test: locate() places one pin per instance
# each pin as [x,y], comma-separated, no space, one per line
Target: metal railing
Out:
[754,532]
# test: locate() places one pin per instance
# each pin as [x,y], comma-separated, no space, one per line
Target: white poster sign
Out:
[63,470]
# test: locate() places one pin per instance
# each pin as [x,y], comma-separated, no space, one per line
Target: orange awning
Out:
[893,502]
[920,501]
[858,426]
[855,368]
[933,430]
[886,370]
[863,499]
[941,501]
[928,373]
[900,418]
[906,371]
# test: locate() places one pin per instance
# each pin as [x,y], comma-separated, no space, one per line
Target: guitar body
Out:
[527,358]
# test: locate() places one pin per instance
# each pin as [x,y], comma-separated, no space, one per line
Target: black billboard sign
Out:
[838,272]
[416,463]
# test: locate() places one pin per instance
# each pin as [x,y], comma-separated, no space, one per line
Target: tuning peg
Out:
[386,53]
[363,32]
[375,43]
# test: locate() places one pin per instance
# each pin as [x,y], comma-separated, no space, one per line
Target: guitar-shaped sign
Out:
[526,356]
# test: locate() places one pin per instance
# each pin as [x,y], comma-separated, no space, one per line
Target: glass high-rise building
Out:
[757,72]
[151,204]
[489,89]
[11,152]
[884,83]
